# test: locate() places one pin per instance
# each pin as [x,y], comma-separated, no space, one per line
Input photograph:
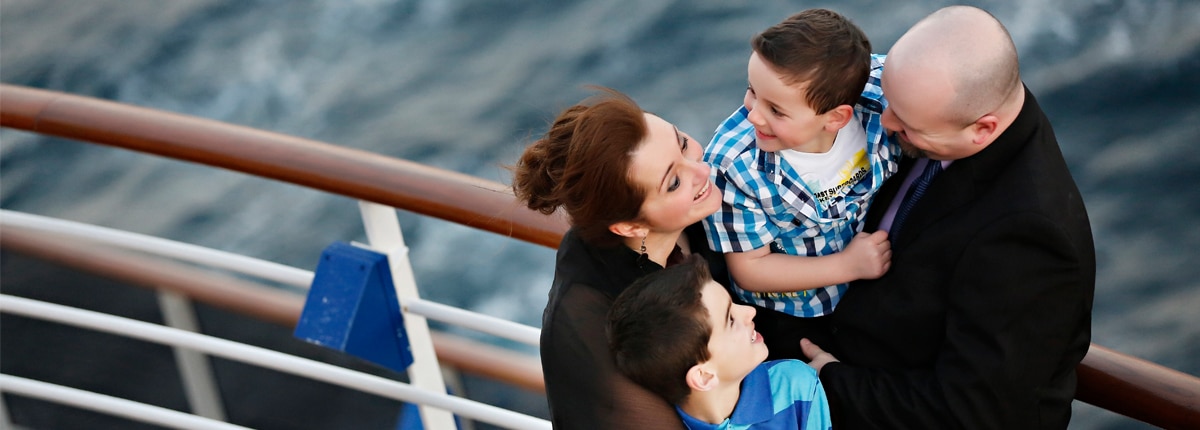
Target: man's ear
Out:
[629,229]
[984,129]
[838,117]
[701,378]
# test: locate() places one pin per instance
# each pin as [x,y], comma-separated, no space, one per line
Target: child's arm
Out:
[868,256]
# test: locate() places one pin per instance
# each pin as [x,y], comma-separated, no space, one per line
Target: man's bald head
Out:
[969,52]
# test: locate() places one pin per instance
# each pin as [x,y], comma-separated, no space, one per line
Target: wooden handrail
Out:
[1139,389]
[1120,383]
[355,173]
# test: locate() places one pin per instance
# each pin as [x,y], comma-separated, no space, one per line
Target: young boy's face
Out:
[735,347]
[781,116]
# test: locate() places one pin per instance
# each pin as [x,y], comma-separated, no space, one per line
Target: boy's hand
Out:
[869,255]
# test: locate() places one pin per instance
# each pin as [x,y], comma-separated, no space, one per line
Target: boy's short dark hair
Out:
[658,328]
[823,48]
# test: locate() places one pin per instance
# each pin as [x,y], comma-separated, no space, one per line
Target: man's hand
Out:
[819,358]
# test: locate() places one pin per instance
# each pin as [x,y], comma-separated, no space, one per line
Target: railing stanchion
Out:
[384,235]
[5,422]
[198,382]
[454,382]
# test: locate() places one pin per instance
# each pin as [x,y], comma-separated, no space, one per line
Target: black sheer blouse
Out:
[583,387]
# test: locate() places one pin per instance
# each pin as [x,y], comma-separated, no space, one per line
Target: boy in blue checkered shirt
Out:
[678,333]
[797,166]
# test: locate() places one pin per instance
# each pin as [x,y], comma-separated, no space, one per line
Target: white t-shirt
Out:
[833,173]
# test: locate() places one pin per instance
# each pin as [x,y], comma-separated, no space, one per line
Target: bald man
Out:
[987,308]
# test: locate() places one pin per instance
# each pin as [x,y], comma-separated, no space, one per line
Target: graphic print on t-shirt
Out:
[851,172]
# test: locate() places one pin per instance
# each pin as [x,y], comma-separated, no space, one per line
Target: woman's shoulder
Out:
[574,326]
[575,304]
[576,298]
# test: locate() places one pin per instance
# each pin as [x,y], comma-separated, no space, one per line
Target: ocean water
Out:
[465,85]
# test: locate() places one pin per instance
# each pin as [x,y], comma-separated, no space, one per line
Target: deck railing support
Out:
[198,382]
[5,422]
[384,235]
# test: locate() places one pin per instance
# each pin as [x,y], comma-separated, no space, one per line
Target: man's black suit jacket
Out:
[986,310]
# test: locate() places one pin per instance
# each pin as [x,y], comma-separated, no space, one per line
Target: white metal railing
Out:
[267,359]
[110,405]
[237,263]
[498,327]
[201,391]
[158,246]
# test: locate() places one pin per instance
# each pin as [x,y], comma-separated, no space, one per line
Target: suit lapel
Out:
[949,190]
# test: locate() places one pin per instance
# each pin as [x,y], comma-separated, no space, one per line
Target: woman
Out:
[631,184]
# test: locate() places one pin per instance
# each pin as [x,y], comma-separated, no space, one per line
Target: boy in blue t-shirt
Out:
[797,165]
[678,333]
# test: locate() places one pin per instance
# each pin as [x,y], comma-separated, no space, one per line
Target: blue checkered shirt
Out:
[765,203]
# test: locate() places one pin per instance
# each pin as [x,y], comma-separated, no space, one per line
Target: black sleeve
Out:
[1017,324]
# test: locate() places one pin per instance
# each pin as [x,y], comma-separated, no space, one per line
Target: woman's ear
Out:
[629,229]
[701,378]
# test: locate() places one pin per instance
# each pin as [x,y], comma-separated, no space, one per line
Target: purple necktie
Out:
[915,191]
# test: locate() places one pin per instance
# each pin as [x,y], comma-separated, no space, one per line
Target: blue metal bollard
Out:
[352,308]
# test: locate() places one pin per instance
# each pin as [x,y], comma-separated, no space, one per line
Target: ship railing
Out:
[297,278]
[262,357]
[1107,379]
[99,250]
[72,243]
[23,232]
[176,307]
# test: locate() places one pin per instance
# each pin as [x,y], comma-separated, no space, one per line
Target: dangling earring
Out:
[643,251]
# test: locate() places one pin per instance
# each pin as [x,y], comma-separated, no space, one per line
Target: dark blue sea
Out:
[466,84]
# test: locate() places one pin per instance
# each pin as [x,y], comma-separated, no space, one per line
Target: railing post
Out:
[384,235]
[453,378]
[5,422]
[198,382]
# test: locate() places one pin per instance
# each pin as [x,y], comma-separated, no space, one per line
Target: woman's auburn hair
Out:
[582,164]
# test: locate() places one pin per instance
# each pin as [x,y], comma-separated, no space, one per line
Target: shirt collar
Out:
[618,263]
[754,404]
